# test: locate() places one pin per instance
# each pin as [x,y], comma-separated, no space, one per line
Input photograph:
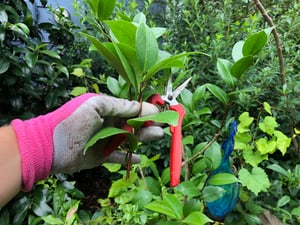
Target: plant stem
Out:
[269,20]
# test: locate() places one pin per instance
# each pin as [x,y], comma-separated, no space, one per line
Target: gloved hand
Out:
[54,142]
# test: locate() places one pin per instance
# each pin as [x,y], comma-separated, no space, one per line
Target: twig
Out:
[269,20]
[203,150]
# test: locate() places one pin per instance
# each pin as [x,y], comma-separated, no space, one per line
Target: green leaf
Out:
[3,17]
[127,67]
[218,93]
[240,66]
[158,31]
[268,125]
[237,50]
[108,132]
[170,206]
[192,205]
[283,201]
[188,188]
[107,50]
[113,86]
[254,43]
[78,72]
[112,167]
[123,31]
[102,8]
[265,146]
[296,211]
[139,18]
[4,65]
[224,67]
[278,169]
[197,218]
[146,47]
[256,180]
[168,61]
[222,178]
[169,117]
[78,91]
[267,108]
[212,193]
[245,122]
[214,154]
[50,53]
[187,98]
[52,220]
[241,140]
[253,157]
[282,142]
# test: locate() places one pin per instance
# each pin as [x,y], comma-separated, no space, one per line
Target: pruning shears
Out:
[176,131]
[168,99]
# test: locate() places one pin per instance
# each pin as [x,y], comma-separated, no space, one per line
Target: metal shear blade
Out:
[170,96]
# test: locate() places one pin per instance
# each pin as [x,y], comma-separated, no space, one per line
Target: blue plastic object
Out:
[219,208]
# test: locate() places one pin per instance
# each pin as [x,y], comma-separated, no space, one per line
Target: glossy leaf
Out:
[188,188]
[214,154]
[139,18]
[133,79]
[222,178]
[255,43]
[50,219]
[50,53]
[277,168]
[146,47]
[212,193]
[218,93]
[20,208]
[240,66]
[4,65]
[169,62]
[283,201]
[168,117]
[113,86]
[108,52]
[123,31]
[237,50]
[170,206]
[102,8]
[197,218]
[108,132]
[224,67]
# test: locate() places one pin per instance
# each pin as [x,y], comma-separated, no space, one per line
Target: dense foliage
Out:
[238,78]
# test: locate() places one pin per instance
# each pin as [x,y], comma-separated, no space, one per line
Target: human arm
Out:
[54,142]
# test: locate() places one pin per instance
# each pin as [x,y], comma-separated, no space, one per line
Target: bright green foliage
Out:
[102,9]
[271,140]
[255,180]
[132,49]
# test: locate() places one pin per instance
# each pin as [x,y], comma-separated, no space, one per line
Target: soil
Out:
[94,184]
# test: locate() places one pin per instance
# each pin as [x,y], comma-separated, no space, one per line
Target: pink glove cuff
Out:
[35,140]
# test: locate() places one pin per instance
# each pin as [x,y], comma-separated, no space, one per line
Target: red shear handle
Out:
[116,140]
[176,147]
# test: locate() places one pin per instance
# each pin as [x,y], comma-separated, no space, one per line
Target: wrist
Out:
[10,165]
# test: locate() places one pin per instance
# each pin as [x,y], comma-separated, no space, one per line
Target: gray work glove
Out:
[54,143]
